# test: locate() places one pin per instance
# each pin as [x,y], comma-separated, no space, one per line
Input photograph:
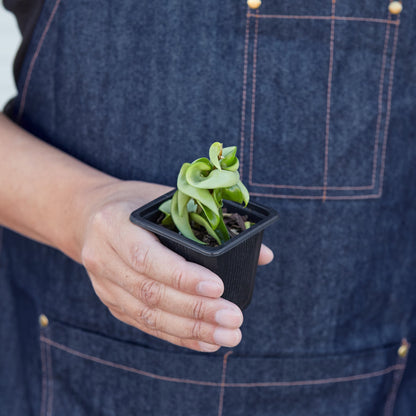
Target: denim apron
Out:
[320,99]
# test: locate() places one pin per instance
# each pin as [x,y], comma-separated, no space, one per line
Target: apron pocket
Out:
[85,373]
[316,104]
[355,384]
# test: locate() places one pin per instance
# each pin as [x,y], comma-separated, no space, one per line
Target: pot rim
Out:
[268,216]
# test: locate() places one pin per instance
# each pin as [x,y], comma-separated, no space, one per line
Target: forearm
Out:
[46,194]
[42,188]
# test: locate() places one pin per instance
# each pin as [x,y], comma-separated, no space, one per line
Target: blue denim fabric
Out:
[323,112]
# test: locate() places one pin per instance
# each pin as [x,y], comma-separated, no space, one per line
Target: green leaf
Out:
[216,179]
[215,154]
[228,153]
[204,164]
[217,194]
[233,193]
[212,217]
[222,231]
[248,224]
[182,222]
[192,206]
[204,223]
[244,191]
[233,167]
[183,200]
[201,195]
[229,160]
[168,222]
[165,207]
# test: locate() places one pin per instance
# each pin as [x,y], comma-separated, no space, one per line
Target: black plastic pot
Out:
[234,261]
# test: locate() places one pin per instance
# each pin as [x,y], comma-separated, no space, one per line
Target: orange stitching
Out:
[34,58]
[213,384]
[316,188]
[375,155]
[366,196]
[44,381]
[126,368]
[244,98]
[328,98]
[318,382]
[380,103]
[224,370]
[50,380]
[253,100]
[339,18]
[378,125]
[388,114]
[397,379]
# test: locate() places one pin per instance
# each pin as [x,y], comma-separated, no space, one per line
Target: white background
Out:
[9,43]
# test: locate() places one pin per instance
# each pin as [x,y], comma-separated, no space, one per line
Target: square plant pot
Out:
[234,261]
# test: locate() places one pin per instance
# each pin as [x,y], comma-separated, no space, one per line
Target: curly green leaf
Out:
[201,195]
[215,154]
[229,160]
[182,222]
[233,193]
[204,223]
[212,217]
[165,207]
[244,191]
[222,231]
[183,200]
[216,179]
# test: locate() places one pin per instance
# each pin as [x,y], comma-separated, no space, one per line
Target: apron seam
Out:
[355,377]
[397,379]
[44,380]
[50,380]
[223,377]
[34,59]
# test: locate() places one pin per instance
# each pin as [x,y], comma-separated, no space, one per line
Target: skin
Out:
[85,213]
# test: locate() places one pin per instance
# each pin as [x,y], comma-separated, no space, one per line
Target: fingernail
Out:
[229,318]
[227,337]
[208,347]
[209,288]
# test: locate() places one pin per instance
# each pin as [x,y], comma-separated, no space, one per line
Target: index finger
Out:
[143,252]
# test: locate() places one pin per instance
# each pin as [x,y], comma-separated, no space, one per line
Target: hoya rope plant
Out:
[195,209]
[202,187]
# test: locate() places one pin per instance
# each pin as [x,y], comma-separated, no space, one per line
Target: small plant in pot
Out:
[205,222]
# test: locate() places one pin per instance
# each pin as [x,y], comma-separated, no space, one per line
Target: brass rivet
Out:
[403,349]
[395,7]
[254,4]
[43,320]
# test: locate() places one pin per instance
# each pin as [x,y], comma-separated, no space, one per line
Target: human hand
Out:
[85,214]
[148,286]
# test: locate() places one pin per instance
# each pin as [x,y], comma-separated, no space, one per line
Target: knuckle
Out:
[90,259]
[140,258]
[118,314]
[158,334]
[178,277]
[196,331]
[147,317]
[101,293]
[198,309]
[150,292]
[107,299]
[102,218]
